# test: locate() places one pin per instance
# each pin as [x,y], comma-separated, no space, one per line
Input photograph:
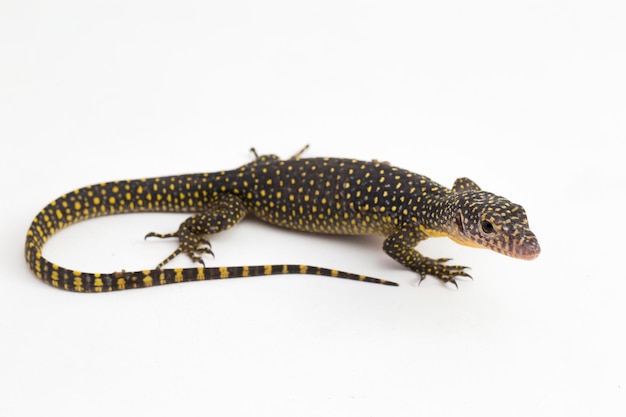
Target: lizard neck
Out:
[436,216]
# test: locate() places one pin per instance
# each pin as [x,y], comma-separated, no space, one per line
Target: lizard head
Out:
[485,220]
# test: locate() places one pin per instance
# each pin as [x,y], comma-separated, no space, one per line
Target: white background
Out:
[525,98]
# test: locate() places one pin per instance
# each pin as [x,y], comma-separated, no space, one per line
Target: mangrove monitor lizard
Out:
[321,195]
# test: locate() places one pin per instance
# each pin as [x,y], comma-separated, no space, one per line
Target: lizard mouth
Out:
[528,248]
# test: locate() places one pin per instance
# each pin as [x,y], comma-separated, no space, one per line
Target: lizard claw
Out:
[199,260]
[453,281]
[422,278]
[203,251]
[466,275]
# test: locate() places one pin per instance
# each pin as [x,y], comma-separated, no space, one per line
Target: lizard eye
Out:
[487,227]
[460,221]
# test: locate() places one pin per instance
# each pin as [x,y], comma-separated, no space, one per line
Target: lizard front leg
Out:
[400,246]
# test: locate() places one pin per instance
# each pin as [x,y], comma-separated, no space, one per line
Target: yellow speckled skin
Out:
[322,195]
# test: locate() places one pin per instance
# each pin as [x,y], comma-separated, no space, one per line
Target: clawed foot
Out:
[446,273]
[189,243]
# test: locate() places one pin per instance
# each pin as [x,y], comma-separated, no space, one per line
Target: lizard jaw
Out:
[526,248]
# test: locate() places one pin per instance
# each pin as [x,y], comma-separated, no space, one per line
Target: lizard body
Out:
[320,195]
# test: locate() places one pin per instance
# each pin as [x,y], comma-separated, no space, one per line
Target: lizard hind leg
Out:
[222,214]
[265,158]
[300,152]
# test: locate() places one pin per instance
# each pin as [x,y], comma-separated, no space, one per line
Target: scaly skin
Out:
[320,195]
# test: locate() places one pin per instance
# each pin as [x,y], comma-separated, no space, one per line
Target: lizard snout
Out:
[527,247]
